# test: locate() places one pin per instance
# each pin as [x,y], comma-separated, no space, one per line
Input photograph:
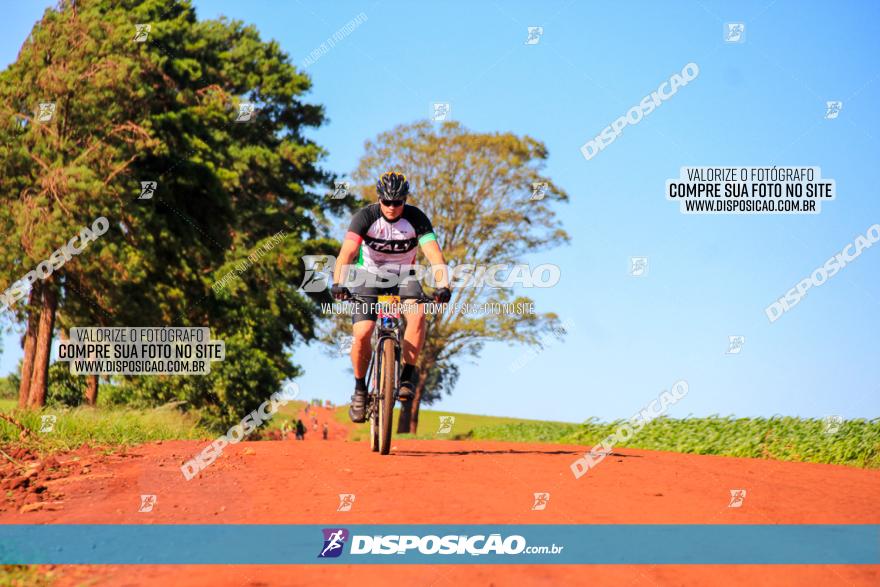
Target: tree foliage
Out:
[477,189]
[165,110]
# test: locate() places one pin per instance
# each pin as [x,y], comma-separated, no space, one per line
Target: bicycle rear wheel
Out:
[387,377]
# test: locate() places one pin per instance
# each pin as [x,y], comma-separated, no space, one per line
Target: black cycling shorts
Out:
[409,289]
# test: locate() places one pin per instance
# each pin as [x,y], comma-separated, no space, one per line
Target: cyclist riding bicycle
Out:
[384,237]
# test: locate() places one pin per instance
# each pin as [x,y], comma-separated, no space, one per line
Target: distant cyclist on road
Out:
[383,237]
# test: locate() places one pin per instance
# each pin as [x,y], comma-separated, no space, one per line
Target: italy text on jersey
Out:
[389,243]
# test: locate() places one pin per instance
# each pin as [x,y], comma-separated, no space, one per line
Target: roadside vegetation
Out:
[848,442]
[852,442]
[60,428]
[465,425]
[785,438]
[65,428]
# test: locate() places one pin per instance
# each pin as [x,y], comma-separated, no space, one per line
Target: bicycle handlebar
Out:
[363,298]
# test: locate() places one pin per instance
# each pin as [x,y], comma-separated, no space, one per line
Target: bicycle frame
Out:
[388,327]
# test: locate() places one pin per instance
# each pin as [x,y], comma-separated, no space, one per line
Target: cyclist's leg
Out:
[414,336]
[363,320]
[361,330]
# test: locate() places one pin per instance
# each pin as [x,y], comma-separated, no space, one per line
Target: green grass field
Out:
[465,426]
[73,427]
[855,443]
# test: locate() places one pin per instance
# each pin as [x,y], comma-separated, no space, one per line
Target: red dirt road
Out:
[448,481]
[335,430]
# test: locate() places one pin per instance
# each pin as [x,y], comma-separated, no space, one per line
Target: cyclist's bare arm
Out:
[347,254]
[438,263]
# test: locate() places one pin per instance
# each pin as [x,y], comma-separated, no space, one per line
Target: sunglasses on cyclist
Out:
[393,203]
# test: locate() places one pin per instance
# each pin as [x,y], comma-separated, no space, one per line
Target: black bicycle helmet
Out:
[392,186]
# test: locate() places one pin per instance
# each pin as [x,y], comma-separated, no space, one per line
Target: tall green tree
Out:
[162,108]
[477,189]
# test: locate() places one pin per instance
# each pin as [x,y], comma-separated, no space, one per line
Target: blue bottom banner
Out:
[653,544]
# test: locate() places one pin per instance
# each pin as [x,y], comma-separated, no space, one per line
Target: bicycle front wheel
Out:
[387,376]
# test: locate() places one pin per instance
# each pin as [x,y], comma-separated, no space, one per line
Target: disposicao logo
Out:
[334,540]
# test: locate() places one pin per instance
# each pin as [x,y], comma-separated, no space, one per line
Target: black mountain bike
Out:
[384,371]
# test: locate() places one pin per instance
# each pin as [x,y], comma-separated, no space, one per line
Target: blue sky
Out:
[758,103]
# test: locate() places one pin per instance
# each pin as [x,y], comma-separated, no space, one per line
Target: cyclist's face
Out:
[391,212]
